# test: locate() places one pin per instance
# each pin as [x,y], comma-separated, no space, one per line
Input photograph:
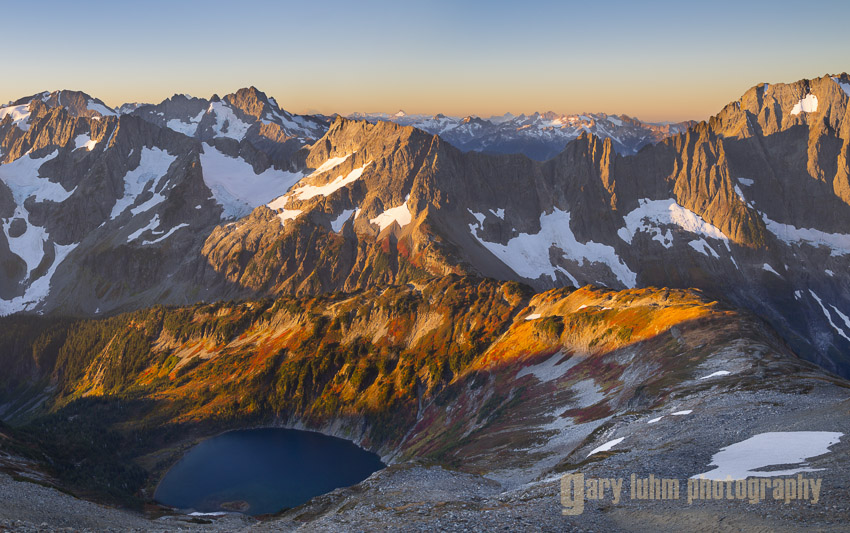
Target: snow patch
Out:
[168,234]
[30,245]
[225,117]
[400,214]
[22,177]
[20,115]
[153,165]
[84,141]
[331,163]
[683,413]
[528,254]
[340,221]
[701,246]
[288,214]
[838,243]
[187,129]
[844,317]
[100,108]
[654,420]
[746,182]
[480,217]
[747,458]
[740,194]
[828,316]
[236,187]
[652,215]
[607,446]
[717,374]
[770,269]
[809,104]
[38,289]
[534,316]
[306,192]
[152,225]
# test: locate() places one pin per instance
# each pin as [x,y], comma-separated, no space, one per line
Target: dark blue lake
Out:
[259,471]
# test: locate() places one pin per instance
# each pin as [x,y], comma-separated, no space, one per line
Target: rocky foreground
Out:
[415,496]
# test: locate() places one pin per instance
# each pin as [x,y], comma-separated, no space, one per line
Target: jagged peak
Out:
[248,92]
[184,96]
[77,103]
[472,119]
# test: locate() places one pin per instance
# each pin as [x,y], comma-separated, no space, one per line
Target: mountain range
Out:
[197,200]
[540,136]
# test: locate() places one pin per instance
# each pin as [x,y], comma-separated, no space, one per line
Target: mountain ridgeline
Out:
[539,136]
[200,200]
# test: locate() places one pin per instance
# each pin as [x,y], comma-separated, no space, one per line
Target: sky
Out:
[656,60]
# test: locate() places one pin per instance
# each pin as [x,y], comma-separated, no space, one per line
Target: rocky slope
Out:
[540,136]
[503,388]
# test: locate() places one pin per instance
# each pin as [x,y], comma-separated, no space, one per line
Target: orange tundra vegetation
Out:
[375,355]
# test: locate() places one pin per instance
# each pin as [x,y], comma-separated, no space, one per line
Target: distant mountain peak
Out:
[77,103]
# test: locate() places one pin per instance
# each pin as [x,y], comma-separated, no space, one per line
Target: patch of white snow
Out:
[607,446]
[770,269]
[838,243]
[153,165]
[717,374]
[235,185]
[400,214]
[528,254]
[809,104]
[84,141]
[748,458]
[340,220]
[306,192]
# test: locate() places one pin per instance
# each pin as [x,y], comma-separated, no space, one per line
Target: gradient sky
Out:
[657,60]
